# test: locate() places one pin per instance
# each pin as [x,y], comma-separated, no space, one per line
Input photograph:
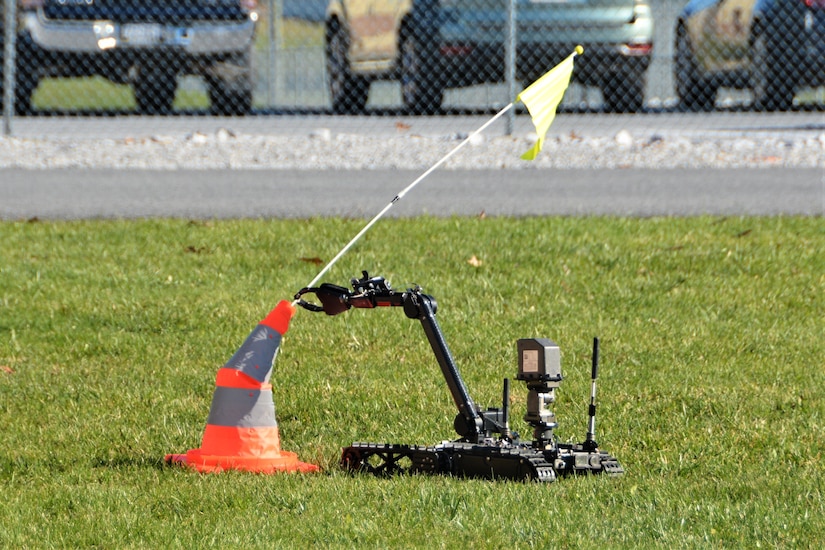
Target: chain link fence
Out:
[371,57]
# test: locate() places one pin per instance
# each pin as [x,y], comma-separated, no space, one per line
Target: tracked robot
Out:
[486,446]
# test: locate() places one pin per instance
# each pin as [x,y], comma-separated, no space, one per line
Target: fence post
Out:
[510,62]
[276,31]
[9,62]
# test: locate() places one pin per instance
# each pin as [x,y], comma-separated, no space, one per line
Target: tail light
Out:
[814,4]
[636,50]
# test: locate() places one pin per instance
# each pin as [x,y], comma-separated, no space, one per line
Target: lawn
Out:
[710,392]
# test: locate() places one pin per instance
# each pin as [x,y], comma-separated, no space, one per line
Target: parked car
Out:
[307,10]
[432,45]
[772,47]
[145,43]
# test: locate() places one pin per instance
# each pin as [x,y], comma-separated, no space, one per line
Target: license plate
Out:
[141,34]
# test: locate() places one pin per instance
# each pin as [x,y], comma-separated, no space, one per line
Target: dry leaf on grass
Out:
[316,260]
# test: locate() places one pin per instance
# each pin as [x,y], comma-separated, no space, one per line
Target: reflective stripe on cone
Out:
[242,430]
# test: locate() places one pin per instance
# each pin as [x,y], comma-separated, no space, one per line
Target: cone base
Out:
[286,462]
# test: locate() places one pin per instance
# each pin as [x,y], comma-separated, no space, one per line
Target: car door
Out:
[724,34]
[388,15]
[373,32]
[360,27]
[733,23]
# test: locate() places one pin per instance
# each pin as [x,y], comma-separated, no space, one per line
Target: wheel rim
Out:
[351,460]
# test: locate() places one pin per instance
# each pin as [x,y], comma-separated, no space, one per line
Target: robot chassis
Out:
[487,448]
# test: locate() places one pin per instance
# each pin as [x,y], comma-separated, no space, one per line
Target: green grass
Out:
[710,391]
[98,94]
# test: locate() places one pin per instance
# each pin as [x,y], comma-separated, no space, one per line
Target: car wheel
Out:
[229,102]
[772,89]
[624,93]
[230,90]
[695,93]
[422,89]
[154,90]
[349,93]
[26,75]
[23,91]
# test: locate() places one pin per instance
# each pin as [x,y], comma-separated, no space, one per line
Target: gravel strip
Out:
[325,150]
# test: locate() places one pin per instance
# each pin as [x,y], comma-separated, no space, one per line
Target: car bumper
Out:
[615,42]
[87,37]
[469,64]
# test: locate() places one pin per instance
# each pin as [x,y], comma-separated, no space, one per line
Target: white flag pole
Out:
[400,195]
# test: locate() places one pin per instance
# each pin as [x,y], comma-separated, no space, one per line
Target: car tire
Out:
[154,90]
[232,96]
[695,93]
[422,87]
[772,87]
[348,92]
[26,75]
[624,93]
[23,92]
[225,102]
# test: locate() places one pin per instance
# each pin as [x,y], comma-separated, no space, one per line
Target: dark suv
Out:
[144,43]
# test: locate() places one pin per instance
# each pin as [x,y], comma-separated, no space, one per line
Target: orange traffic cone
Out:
[241,430]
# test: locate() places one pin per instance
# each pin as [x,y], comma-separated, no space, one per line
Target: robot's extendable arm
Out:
[368,292]
[372,292]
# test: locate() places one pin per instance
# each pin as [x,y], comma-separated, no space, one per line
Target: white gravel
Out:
[326,150]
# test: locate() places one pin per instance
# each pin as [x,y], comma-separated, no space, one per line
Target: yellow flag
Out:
[543,96]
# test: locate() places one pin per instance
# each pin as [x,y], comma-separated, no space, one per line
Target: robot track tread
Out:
[449,458]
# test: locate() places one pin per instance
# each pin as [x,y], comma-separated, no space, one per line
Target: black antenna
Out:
[590,440]
[505,407]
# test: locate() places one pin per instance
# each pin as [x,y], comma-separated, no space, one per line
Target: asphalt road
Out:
[83,194]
